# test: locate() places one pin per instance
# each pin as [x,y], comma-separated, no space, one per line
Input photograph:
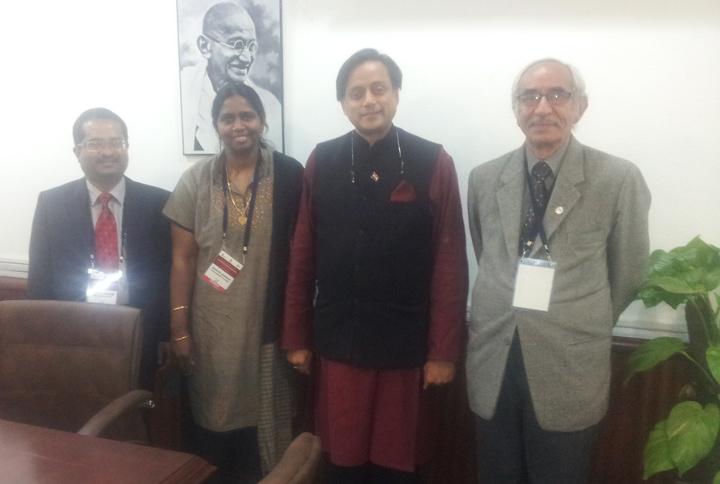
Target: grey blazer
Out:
[596,224]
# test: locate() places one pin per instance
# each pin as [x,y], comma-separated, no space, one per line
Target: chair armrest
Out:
[118,407]
[299,463]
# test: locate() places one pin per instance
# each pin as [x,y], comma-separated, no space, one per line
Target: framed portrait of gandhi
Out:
[221,41]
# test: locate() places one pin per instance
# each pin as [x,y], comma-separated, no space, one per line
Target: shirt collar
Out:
[118,191]
[553,162]
[387,140]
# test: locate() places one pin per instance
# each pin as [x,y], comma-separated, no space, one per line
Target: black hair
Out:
[92,114]
[361,57]
[237,89]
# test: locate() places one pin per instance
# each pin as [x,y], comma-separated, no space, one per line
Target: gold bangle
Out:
[178,308]
[181,338]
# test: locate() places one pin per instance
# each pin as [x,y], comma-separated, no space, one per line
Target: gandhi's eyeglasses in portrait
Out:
[115,144]
[238,45]
[555,97]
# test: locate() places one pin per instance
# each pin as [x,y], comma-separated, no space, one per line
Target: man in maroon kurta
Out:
[378,279]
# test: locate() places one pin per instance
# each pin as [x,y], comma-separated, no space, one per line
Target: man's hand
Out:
[438,372]
[300,360]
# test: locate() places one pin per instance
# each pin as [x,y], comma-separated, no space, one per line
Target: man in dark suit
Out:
[538,359]
[104,223]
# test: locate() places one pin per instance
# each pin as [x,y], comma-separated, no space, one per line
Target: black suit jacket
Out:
[62,241]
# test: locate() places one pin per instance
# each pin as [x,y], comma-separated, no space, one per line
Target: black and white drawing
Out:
[228,41]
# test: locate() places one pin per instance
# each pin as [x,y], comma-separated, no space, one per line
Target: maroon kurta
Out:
[352,436]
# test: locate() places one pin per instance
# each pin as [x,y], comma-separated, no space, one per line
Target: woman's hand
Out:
[300,360]
[182,279]
[182,350]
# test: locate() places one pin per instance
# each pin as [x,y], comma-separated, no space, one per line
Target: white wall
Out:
[652,70]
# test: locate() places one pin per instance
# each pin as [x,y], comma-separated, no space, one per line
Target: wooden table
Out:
[36,455]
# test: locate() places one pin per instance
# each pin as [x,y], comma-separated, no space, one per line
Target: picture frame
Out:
[221,41]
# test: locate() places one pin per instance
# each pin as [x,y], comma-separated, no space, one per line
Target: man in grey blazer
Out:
[538,378]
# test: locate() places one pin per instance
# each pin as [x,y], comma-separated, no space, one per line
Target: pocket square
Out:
[404,192]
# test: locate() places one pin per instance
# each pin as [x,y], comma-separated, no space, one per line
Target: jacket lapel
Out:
[79,217]
[133,214]
[509,198]
[565,193]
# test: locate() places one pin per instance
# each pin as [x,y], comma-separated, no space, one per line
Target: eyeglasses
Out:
[101,144]
[238,45]
[555,97]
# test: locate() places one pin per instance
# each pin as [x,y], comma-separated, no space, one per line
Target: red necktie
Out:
[106,244]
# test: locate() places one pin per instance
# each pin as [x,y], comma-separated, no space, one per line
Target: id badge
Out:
[533,284]
[222,271]
[103,287]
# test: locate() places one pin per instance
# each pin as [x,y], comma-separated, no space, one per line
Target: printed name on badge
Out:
[533,284]
[222,271]
[103,287]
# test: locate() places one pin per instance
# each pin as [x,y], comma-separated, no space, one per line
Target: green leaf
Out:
[716,479]
[651,296]
[659,262]
[684,271]
[691,431]
[652,352]
[676,285]
[713,360]
[656,455]
[698,251]
[712,280]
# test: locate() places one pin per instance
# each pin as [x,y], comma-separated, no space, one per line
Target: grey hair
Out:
[578,84]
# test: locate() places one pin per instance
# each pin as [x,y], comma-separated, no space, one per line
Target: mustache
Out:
[236,59]
[544,122]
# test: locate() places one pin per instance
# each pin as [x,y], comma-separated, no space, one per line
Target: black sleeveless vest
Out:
[373,251]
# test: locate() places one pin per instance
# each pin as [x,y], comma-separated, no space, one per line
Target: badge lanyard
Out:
[251,207]
[225,268]
[538,228]
[108,287]
[534,277]
[123,245]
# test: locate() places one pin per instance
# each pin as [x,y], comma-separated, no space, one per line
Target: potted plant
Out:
[688,438]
